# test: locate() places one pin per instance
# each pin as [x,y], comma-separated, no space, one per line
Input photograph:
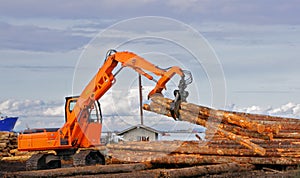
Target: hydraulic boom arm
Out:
[102,82]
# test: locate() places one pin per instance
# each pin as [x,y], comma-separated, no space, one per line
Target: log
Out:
[285,125]
[294,135]
[212,159]
[121,156]
[4,134]
[3,145]
[207,170]
[195,171]
[6,140]
[4,154]
[87,170]
[16,158]
[278,142]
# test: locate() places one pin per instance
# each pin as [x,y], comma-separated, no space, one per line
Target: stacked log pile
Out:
[230,137]
[8,142]
[190,153]
[9,148]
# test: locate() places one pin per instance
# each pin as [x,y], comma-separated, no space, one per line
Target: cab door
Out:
[69,106]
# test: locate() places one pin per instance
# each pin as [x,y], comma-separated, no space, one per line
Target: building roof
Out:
[137,127]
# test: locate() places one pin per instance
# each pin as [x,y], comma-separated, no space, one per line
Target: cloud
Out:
[31,108]
[287,110]
[34,113]
[54,111]
[123,102]
[34,38]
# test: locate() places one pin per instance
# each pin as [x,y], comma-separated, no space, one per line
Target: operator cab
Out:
[95,114]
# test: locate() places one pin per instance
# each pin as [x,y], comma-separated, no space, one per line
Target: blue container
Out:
[7,123]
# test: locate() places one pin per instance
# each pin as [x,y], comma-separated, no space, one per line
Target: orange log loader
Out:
[77,138]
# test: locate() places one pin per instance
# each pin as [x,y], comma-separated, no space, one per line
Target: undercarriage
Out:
[54,160]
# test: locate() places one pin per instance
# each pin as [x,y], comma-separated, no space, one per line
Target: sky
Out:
[244,55]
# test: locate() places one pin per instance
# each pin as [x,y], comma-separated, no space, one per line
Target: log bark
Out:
[278,143]
[285,125]
[294,135]
[87,170]
[195,171]
[121,156]
[8,141]
[207,170]
[206,159]
[16,158]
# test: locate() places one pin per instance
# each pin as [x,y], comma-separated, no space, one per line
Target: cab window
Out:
[72,105]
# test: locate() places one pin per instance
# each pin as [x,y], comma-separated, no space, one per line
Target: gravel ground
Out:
[11,166]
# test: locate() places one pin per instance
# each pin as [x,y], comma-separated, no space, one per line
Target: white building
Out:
[139,133]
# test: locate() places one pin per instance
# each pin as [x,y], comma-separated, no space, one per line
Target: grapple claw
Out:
[175,105]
